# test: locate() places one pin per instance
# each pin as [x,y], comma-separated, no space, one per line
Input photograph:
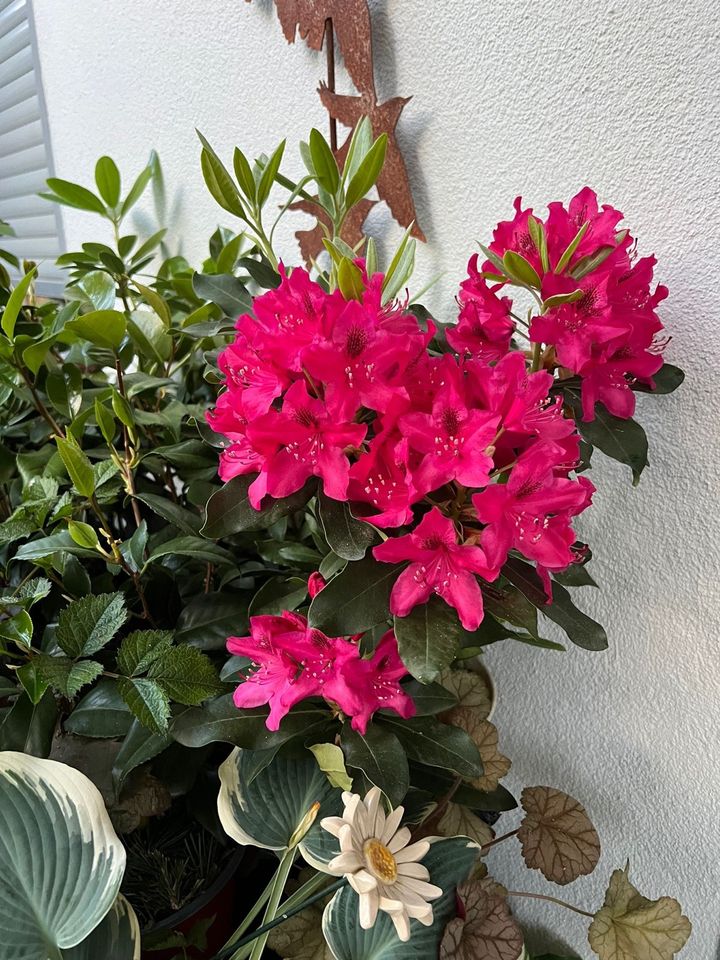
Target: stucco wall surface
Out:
[535,98]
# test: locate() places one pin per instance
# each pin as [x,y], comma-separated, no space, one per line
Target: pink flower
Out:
[485,326]
[514,235]
[310,437]
[316,582]
[531,512]
[562,226]
[245,371]
[293,661]
[453,439]
[439,565]
[375,684]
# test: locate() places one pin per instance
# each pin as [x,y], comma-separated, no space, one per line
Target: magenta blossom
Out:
[439,565]
[531,512]
[310,437]
[293,661]
[484,327]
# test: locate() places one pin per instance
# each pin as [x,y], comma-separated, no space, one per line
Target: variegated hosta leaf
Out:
[116,937]
[449,862]
[61,862]
[267,811]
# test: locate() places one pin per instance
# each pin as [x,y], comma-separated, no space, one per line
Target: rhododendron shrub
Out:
[455,452]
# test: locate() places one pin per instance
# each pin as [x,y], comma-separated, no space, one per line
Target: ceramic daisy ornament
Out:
[380,863]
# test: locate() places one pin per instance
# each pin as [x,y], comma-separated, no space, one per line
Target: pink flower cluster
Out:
[608,334]
[292,661]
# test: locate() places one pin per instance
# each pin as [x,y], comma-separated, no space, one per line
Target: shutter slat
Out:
[25,161]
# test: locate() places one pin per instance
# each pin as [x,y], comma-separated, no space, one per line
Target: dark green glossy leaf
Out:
[621,440]
[229,510]
[436,744]
[29,727]
[356,599]
[348,537]
[429,638]
[666,380]
[100,713]
[429,698]
[209,619]
[139,746]
[225,290]
[277,595]
[380,756]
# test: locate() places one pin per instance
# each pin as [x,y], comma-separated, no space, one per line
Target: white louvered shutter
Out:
[25,158]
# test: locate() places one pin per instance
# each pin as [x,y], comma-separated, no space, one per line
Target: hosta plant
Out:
[286,511]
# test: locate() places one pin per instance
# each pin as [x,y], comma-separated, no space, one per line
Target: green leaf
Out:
[210,618]
[519,269]
[350,280]
[666,380]
[15,302]
[185,674]
[145,248]
[78,466]
[380,756]
[369,170]
[185,520]
[572,247]
[105,328]
[401,267]
[87,625]
[137,190]
[218,180]
[66,676]
[243,172]
[225,290]
[428,638]
[148,701]
[62,861]
[83,534]
[324,163]
[449,861]
[348,537]
[140,745]
[105,421]
[429,698]
[56,543]
[561,298]
[581,629]
[220,720]
[538,237]
[33,683]
[229,510]
[278,594]
[107,178]
[330,760]
[140,649]
[150,335]
[100,713]
[356,599]
[436,744]
[621,440]
[194,547]
[73,195]
[269,173]
[28,727]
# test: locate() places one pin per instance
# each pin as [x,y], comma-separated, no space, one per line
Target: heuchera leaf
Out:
[557,836]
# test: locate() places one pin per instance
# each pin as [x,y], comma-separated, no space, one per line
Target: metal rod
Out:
[330,54]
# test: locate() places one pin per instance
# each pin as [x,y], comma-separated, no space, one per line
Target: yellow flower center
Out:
[380,861]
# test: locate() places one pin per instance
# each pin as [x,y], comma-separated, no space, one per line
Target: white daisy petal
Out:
[423,914]
[372,806]
[416,851]
[400,840]
[369,904]
[347,862]
[416,870]
[428,891]
[392,822]
[362,881]
[332,825]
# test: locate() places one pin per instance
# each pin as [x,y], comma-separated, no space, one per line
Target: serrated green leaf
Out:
[148,702]
[88,624]
[140,649]
[66,676]
[185,674]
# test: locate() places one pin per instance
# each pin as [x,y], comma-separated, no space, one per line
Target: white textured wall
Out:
[536,98]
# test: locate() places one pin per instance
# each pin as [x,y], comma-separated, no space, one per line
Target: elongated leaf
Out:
[229,510]
[73,195]
[269,173]
[194,547]
[436,744]
[346,535]
[621,440]
[29,727]
[429,638]
[581,629]
[140,745]
[100,713]
[62,862]
[225,290]
[356,600]
[380,756]
[106,328]
[243,172]
[209,619]
[368,172]
[324,163]
[117,937]
[15,302]
[186,521]
[137,190]
[107,178]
